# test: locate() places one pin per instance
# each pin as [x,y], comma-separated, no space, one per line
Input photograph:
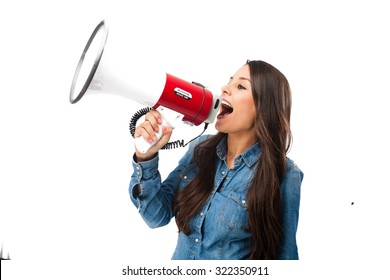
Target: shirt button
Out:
[243,202]
[223,172]
[185,177]
[196,240]
[201,213]
[137,167]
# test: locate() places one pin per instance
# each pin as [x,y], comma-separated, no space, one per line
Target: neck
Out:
[236,145]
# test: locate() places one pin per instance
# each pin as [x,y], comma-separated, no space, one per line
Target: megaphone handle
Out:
[142,145]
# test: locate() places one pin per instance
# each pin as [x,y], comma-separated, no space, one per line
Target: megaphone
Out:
[186,101]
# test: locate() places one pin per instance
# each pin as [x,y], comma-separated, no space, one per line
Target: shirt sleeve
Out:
[291,193]
[154,201]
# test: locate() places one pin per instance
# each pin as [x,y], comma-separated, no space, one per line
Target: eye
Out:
[241,86]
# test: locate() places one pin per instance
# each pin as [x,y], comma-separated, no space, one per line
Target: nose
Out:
[226,90]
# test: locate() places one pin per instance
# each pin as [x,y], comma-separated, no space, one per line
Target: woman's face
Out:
[237,113]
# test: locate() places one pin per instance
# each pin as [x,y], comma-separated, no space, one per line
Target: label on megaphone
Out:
[169,118]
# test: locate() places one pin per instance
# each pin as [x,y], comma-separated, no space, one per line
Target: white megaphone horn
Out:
[95,72]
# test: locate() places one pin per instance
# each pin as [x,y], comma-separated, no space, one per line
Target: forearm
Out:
[149,195]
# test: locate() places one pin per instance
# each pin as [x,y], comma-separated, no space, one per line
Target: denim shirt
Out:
[220,229]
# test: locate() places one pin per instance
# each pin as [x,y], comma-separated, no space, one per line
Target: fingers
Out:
[153,149]
[154,118]
[167,132]
[146,131]
[151,130]
[150,127]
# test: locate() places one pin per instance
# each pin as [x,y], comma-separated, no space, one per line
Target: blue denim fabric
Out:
[220,230]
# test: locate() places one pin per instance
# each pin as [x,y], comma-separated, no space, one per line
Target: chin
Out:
[220,128]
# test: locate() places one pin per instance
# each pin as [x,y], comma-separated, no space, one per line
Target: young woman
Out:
[234,195]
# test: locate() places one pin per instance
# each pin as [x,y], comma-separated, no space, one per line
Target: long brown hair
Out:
[272,98]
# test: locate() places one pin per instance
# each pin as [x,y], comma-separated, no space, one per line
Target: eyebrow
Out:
[241,78]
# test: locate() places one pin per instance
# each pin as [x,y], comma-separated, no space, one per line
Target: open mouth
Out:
[226,109]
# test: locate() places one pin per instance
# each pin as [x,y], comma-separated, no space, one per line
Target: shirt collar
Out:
[250,156]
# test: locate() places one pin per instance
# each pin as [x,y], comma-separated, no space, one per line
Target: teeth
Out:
[226,108]
[227,104]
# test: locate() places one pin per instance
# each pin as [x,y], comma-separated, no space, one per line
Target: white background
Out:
[64,169]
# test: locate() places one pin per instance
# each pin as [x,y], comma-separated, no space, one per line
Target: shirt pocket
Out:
[234,212]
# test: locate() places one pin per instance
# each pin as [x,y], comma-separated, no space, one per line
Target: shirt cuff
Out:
[146,169]
[143,171]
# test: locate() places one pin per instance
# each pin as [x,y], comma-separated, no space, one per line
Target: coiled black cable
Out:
[136,117]
[171,145]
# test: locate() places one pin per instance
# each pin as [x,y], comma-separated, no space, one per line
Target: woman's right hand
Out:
[148,130]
